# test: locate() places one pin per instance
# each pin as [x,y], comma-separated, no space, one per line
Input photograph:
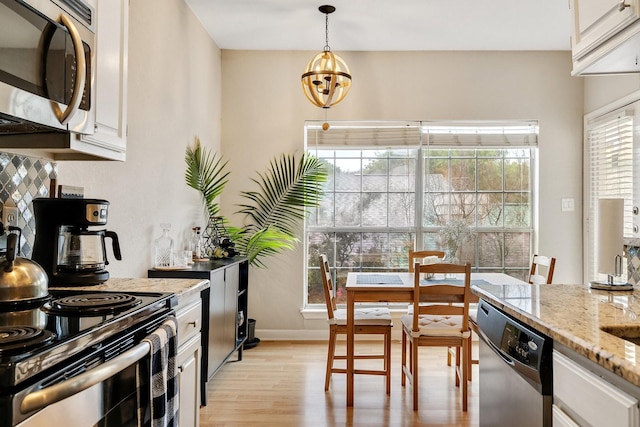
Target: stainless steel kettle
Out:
[21,279]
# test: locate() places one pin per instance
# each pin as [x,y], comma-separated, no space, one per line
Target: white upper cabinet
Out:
[110,137]
[605,36]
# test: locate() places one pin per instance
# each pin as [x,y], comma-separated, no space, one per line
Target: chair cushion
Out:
[434,325]
[364,316]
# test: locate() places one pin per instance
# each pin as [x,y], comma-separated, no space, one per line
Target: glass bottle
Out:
[196,243]
[192,245]
[164,248]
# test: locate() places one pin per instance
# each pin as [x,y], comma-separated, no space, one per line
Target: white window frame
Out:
[434,134]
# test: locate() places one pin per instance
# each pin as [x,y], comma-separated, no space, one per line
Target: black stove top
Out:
[22,339]
[70,323]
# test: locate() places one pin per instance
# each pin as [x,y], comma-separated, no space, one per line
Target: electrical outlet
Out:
[10,216]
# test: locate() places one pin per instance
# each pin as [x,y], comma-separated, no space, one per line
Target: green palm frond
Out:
[286,191]
[206,174]
[261,243]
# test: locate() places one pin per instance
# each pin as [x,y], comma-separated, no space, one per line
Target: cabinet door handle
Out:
[622,5]
[194,323]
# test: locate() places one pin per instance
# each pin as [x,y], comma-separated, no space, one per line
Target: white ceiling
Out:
[387,25]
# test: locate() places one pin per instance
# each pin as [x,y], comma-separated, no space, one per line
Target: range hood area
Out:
[48,145]
[43,139]
[25,137]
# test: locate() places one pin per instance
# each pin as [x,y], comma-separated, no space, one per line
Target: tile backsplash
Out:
[22,179]
[633,264]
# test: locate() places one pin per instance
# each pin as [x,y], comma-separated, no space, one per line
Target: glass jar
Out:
[164,248]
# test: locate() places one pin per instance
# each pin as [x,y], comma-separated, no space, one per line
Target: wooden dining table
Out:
[396,287]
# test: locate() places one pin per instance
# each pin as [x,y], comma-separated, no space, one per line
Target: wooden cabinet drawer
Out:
[189,321]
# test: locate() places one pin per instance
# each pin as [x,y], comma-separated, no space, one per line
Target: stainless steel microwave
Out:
[46,66]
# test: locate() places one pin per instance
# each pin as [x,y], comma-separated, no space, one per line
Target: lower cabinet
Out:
[189,315]
[189,382]
[224,321]
[223,317]
[582,397]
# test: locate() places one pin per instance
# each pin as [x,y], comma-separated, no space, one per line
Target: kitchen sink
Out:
[629,333]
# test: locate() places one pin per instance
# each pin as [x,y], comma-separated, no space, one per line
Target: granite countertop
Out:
[573,315]
[180,287]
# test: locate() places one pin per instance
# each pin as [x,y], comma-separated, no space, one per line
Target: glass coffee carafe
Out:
[82,250]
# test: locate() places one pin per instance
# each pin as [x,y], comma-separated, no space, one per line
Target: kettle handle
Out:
[12,243]
[114,243]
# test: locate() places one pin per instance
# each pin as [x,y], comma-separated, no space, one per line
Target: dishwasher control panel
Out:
[521,344]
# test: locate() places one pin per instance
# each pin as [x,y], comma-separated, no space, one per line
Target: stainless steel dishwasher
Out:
[515,371]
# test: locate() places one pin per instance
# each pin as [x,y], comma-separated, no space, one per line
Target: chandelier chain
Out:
[326,33]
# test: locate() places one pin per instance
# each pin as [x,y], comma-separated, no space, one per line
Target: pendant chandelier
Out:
[326,80]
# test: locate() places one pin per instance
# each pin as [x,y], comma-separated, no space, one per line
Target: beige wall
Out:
[264,109]
[174,94]
[600,91]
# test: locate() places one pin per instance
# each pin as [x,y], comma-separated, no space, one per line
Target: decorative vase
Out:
[450,257]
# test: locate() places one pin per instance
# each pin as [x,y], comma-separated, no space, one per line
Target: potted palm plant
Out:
[289,187]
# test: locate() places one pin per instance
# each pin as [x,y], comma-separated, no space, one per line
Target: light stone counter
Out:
[180,287]
[573,315]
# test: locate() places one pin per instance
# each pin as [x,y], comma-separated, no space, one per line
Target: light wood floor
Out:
[282,384]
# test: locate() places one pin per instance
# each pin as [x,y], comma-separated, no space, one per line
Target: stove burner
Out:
[19,339]
[93,304]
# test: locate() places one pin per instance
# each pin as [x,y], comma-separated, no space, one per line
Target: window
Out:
[392,186]
[609,174]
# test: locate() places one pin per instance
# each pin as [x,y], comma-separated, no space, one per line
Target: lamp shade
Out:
[610,234]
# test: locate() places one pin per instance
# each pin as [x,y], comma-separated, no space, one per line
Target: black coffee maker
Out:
[70,253]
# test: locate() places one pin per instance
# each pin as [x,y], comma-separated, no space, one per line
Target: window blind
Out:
[346,134]
[483,134]
[609,151]
[363,134]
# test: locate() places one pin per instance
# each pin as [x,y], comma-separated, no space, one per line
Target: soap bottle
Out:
[164,248]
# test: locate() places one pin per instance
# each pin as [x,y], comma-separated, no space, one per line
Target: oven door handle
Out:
[42,398]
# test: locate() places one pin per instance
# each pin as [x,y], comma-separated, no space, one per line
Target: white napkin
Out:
[430,260]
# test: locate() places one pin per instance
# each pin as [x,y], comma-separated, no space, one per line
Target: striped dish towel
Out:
[164,374]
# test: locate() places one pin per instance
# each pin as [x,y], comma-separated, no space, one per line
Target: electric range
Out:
[47,342]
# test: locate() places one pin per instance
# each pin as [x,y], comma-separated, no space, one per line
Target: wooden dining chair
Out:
[536,274]
[444,322]
[419,255]
[370,321]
